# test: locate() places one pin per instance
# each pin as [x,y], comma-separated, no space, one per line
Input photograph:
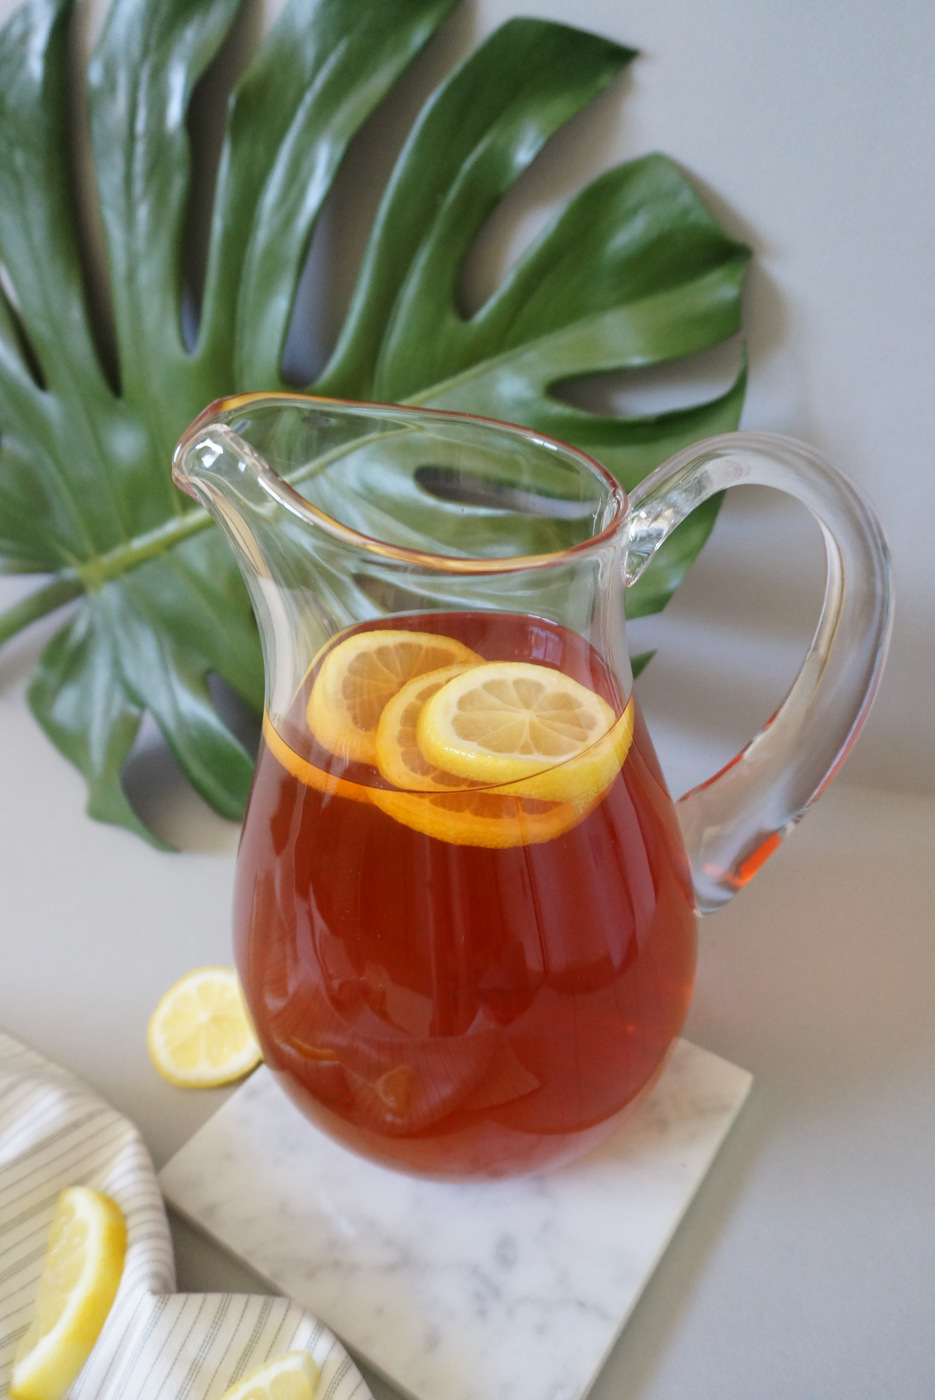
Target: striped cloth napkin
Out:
[156,1344]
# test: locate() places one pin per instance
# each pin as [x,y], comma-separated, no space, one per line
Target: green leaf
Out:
[311,86]
[479,132]
[632,272]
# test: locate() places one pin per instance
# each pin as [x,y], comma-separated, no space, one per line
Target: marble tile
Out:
[510,1290]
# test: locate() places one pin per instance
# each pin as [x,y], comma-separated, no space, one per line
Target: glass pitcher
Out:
[465,907]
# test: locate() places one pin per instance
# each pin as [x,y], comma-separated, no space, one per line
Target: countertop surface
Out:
[806,1264]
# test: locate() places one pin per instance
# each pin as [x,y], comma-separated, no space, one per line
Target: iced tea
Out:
[482,996]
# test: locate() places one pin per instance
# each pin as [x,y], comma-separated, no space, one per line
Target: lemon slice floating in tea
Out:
[361,674]
[527,726]
[474,817]
[291,1376]
[80,1277]
[397,752]
[200,1035]
[308,773]
[442,804]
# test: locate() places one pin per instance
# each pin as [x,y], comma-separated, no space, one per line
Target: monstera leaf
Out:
[632,272]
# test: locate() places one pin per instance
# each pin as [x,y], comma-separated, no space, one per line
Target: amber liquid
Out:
[454,1010]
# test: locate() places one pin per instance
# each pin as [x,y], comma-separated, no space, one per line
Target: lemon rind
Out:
[49,1366]
[200,1077]
[326,712]
[387,749]
[297,1362]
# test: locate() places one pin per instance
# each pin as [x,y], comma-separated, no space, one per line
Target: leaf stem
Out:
[63,588]
[82,577]
[94,573]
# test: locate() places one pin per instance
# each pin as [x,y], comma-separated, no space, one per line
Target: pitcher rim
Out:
[400,553]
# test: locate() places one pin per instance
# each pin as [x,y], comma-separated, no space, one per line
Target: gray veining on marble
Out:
[513,1290]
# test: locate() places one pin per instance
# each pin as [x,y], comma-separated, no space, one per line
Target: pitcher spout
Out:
[295,573]
[218,468]
[340,513]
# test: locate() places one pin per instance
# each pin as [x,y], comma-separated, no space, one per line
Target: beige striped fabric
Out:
[156,1344]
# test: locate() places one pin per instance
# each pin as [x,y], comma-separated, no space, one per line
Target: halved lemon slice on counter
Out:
[80,1277]
[200,1034]
[361,674]
[293,1375]
[528,728]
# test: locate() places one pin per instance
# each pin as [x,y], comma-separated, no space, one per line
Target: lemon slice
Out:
[200,1034]
[528,727]
[441,804]
[363,672]
[398,756]
[80,1277]
[308,773]
[480,818]
[291,1376]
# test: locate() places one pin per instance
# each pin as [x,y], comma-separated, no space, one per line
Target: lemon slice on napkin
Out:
[291,1376]
[80,1277]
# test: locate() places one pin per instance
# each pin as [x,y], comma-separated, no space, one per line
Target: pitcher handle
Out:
[733,822]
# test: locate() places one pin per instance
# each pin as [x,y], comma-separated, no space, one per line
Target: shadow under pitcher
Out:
[465,909]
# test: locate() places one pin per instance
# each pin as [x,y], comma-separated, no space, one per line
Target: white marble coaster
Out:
[512,1290]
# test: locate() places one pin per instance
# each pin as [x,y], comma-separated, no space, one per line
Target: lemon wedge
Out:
[80,1277]
[200,1034]
[527,727]
[291,1376]
[361,674]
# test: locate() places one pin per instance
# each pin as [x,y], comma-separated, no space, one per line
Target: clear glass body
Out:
[474,971]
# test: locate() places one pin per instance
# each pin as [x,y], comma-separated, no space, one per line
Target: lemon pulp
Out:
[200,1033]
[80,1277]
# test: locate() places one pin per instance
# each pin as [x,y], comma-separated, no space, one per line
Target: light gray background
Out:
[806,1267]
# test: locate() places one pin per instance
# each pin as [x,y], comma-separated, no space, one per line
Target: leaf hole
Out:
[339,242]
[687,382]
[159,792]
[572,155]
[391,597]
[241,719]
[9,305]
[162,797]
[312,328]
[205,124]
[457,487]
[90,238]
